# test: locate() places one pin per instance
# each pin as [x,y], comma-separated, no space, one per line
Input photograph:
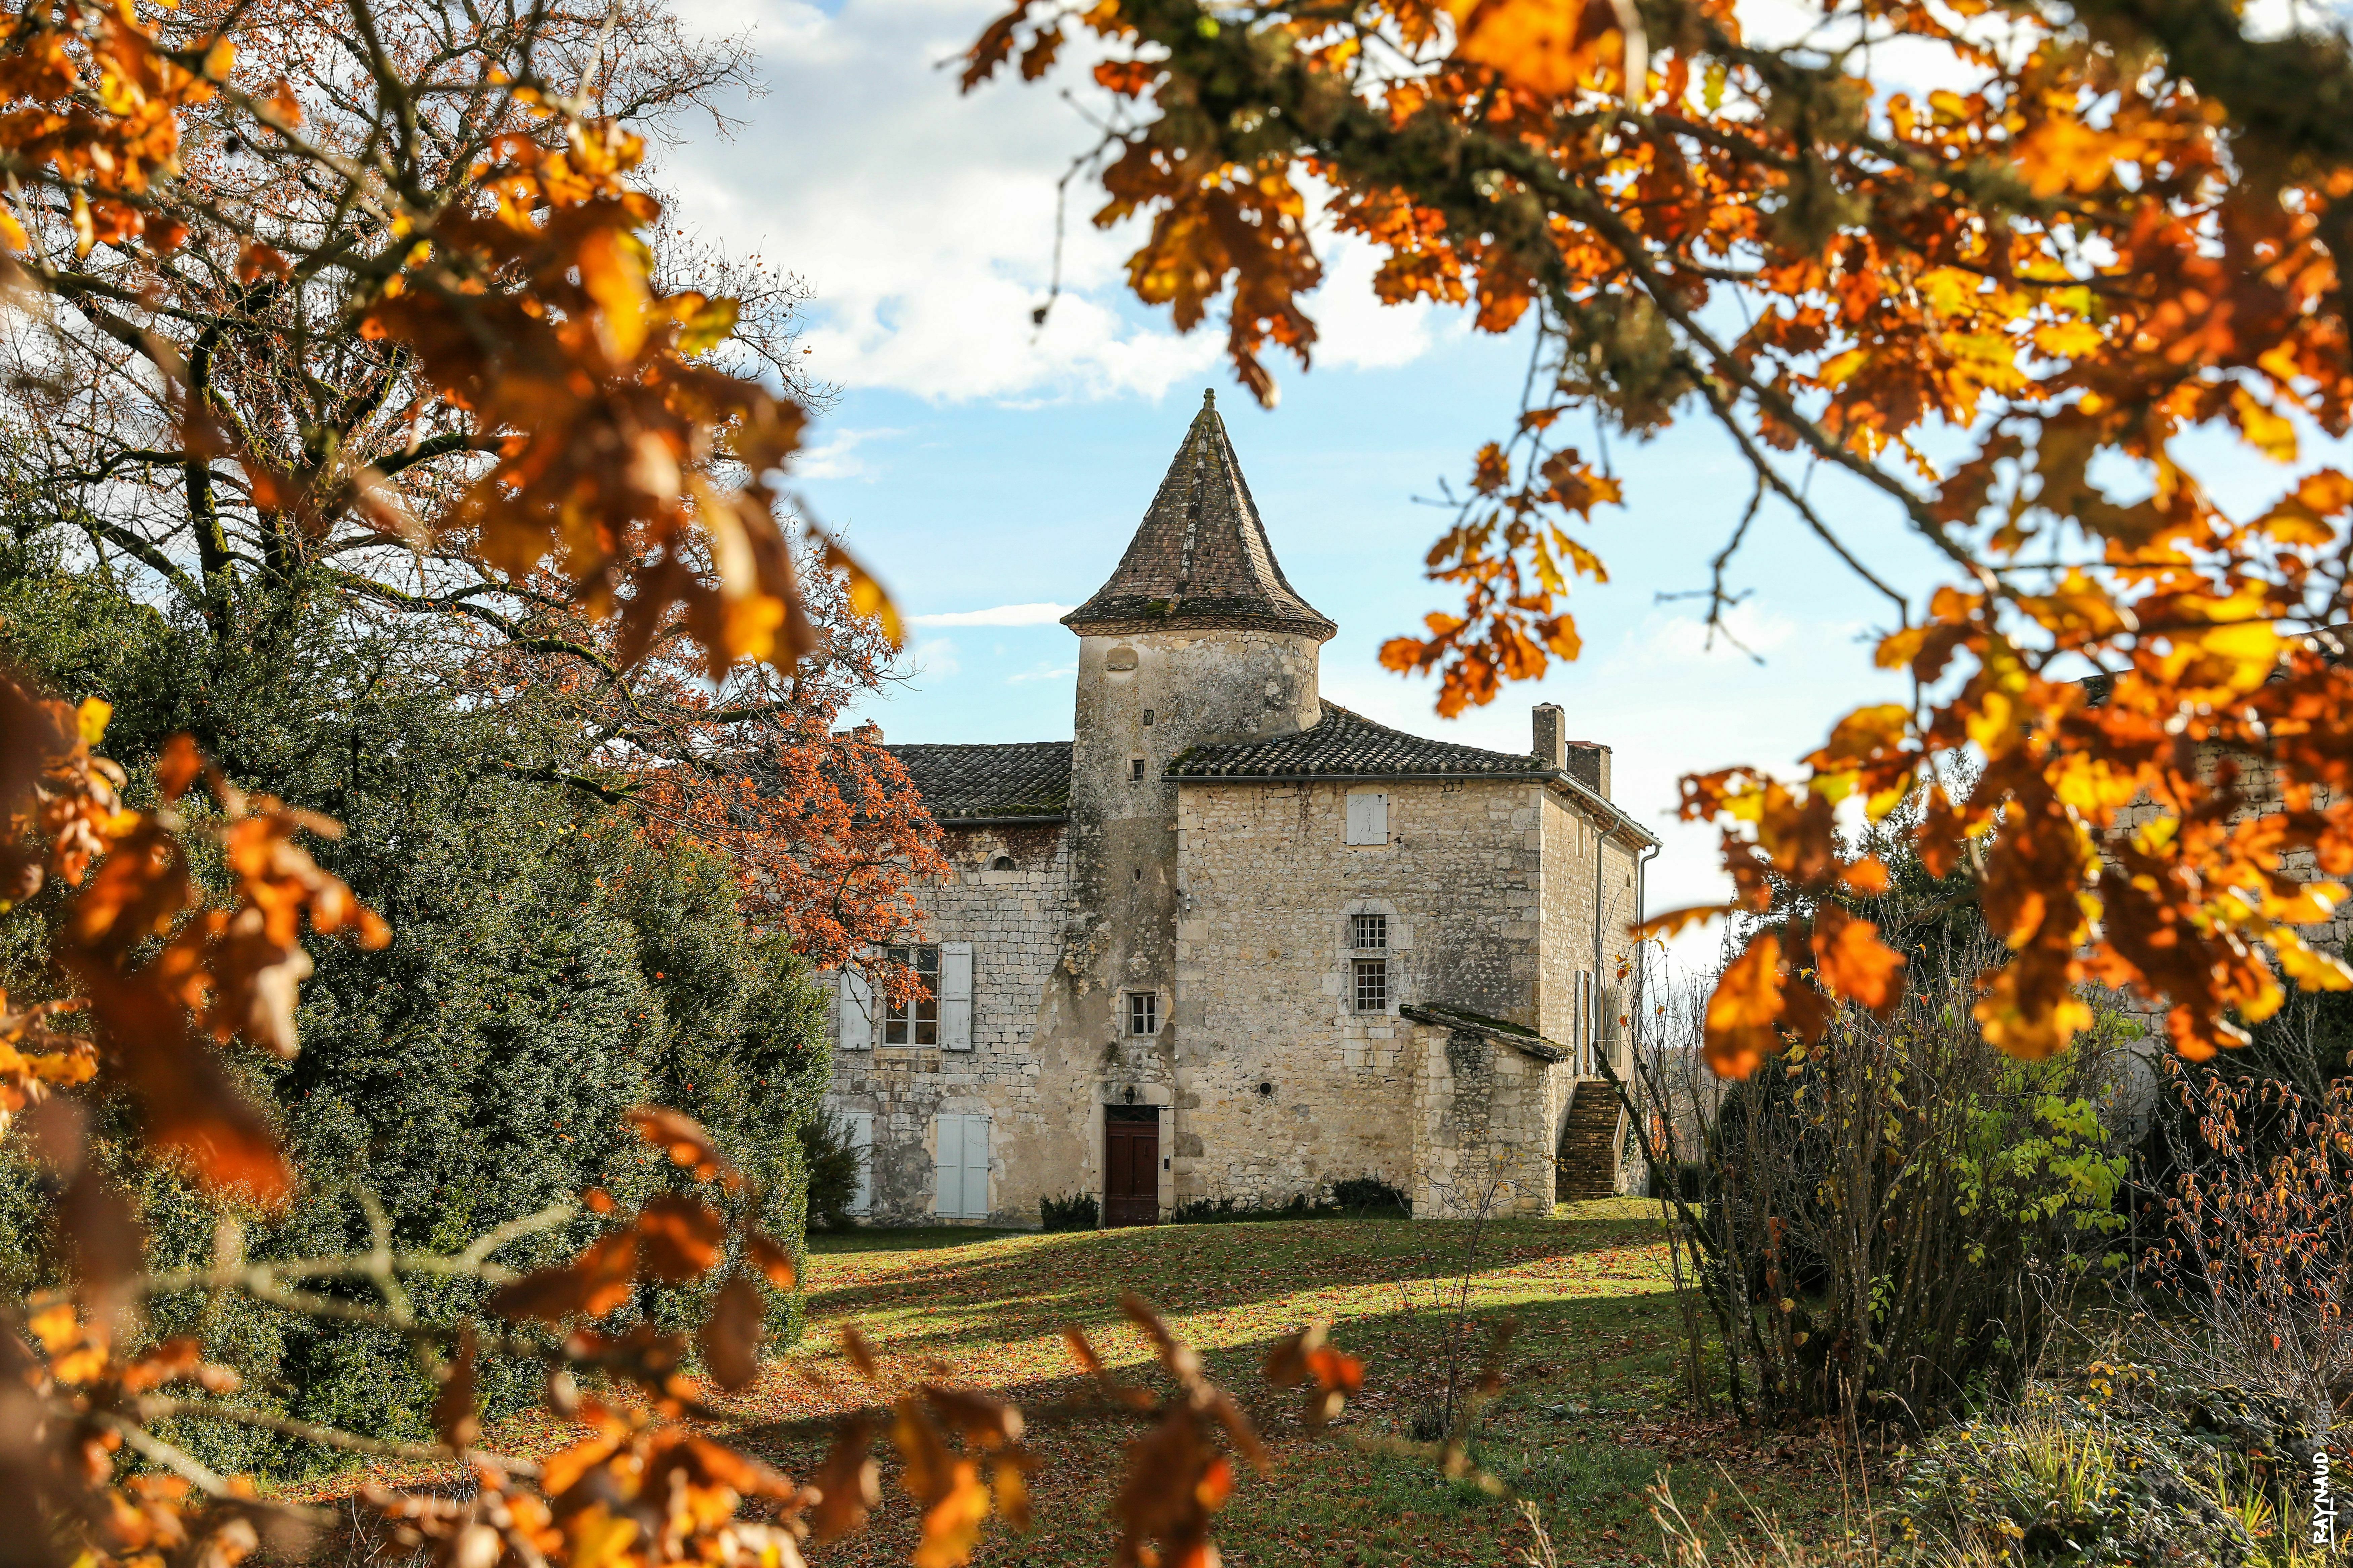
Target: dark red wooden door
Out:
[1131,1164]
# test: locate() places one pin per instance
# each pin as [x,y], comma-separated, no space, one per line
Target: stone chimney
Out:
[1551,734]
[1589,764]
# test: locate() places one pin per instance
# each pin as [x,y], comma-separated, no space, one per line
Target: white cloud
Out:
[997,615]
[835,459]
[1047,671]
[1683,640]
[924,218]
[935,657]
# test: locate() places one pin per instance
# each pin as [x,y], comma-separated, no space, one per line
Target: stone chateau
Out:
[1235,942]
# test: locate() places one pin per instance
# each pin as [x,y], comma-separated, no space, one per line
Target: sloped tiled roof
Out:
[1343,744]
[984,783]
[1201,558]
[1462,1020]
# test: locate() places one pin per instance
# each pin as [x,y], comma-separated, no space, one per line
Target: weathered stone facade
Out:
[1242,932]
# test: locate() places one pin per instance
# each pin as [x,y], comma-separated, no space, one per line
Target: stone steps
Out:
[1588,1152]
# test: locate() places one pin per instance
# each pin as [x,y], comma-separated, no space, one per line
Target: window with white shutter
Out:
[960,1166]
[856,1023]
[1368,817]
[1583,1023]
[955,996]
[862,1143]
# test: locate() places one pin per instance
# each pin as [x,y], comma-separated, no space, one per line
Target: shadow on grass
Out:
[909,1239]
[1585,1376]
[964,1285]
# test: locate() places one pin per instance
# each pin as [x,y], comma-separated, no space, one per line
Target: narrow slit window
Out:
[913,1021]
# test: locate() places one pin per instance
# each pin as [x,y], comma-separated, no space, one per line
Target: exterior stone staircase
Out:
[1587,1156]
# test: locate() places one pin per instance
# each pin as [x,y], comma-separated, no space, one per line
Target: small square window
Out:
[1369,933]
[1372,985]
[910,1021]
[1135,769]
[1142,1012]
[1147,718]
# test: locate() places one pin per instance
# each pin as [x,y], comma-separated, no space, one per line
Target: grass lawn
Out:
[1585,1421]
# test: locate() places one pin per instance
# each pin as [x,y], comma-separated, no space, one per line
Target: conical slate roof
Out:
[1201,558]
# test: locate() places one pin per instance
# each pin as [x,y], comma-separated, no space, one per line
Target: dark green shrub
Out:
[551,966]
[1364,1195]
[832,1166]
[1077,1212]
[2134,1467]
[1232,1211]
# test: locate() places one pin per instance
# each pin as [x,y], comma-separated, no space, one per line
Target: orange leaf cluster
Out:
[223,972]
[603,420]
[89,102]
[2098,241]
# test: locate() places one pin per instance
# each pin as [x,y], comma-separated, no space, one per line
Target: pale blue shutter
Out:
[975,1167]
[955,996]
[862,1143]
[856,1031]
[947,1164]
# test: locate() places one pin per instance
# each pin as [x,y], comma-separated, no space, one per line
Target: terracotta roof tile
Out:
[1021,779]
[1346,744]
[1201,558]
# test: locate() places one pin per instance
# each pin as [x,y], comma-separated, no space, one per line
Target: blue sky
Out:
[978,464]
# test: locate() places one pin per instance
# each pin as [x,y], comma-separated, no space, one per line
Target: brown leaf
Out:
[453,1407]
[731,1336]
[180,765]
[1853,963]
[591,1285]
[103,1240]
[680,1238]
[771,1260]
[975,1418]
[848,1483]
[1743,1012]
[682,1137]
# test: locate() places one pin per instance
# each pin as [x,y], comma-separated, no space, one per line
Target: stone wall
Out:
[1269,1084]
[1576,850]
[1142,699]
[1484,1114]
[1015,919]
[1282,1088]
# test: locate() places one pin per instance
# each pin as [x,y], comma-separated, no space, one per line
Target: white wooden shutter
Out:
[955,996]
[975,1167]
[960,1166]
[1368,817]
[1584,1021]
[856,1027]
[861,1142]
[947,1164]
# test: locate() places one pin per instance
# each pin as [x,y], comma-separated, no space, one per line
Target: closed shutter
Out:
[1583,1023]
[975,1167]
[960,1168]
[1368,817]
[862,1143]
[947,1165]
[955,996]
[856,1029]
